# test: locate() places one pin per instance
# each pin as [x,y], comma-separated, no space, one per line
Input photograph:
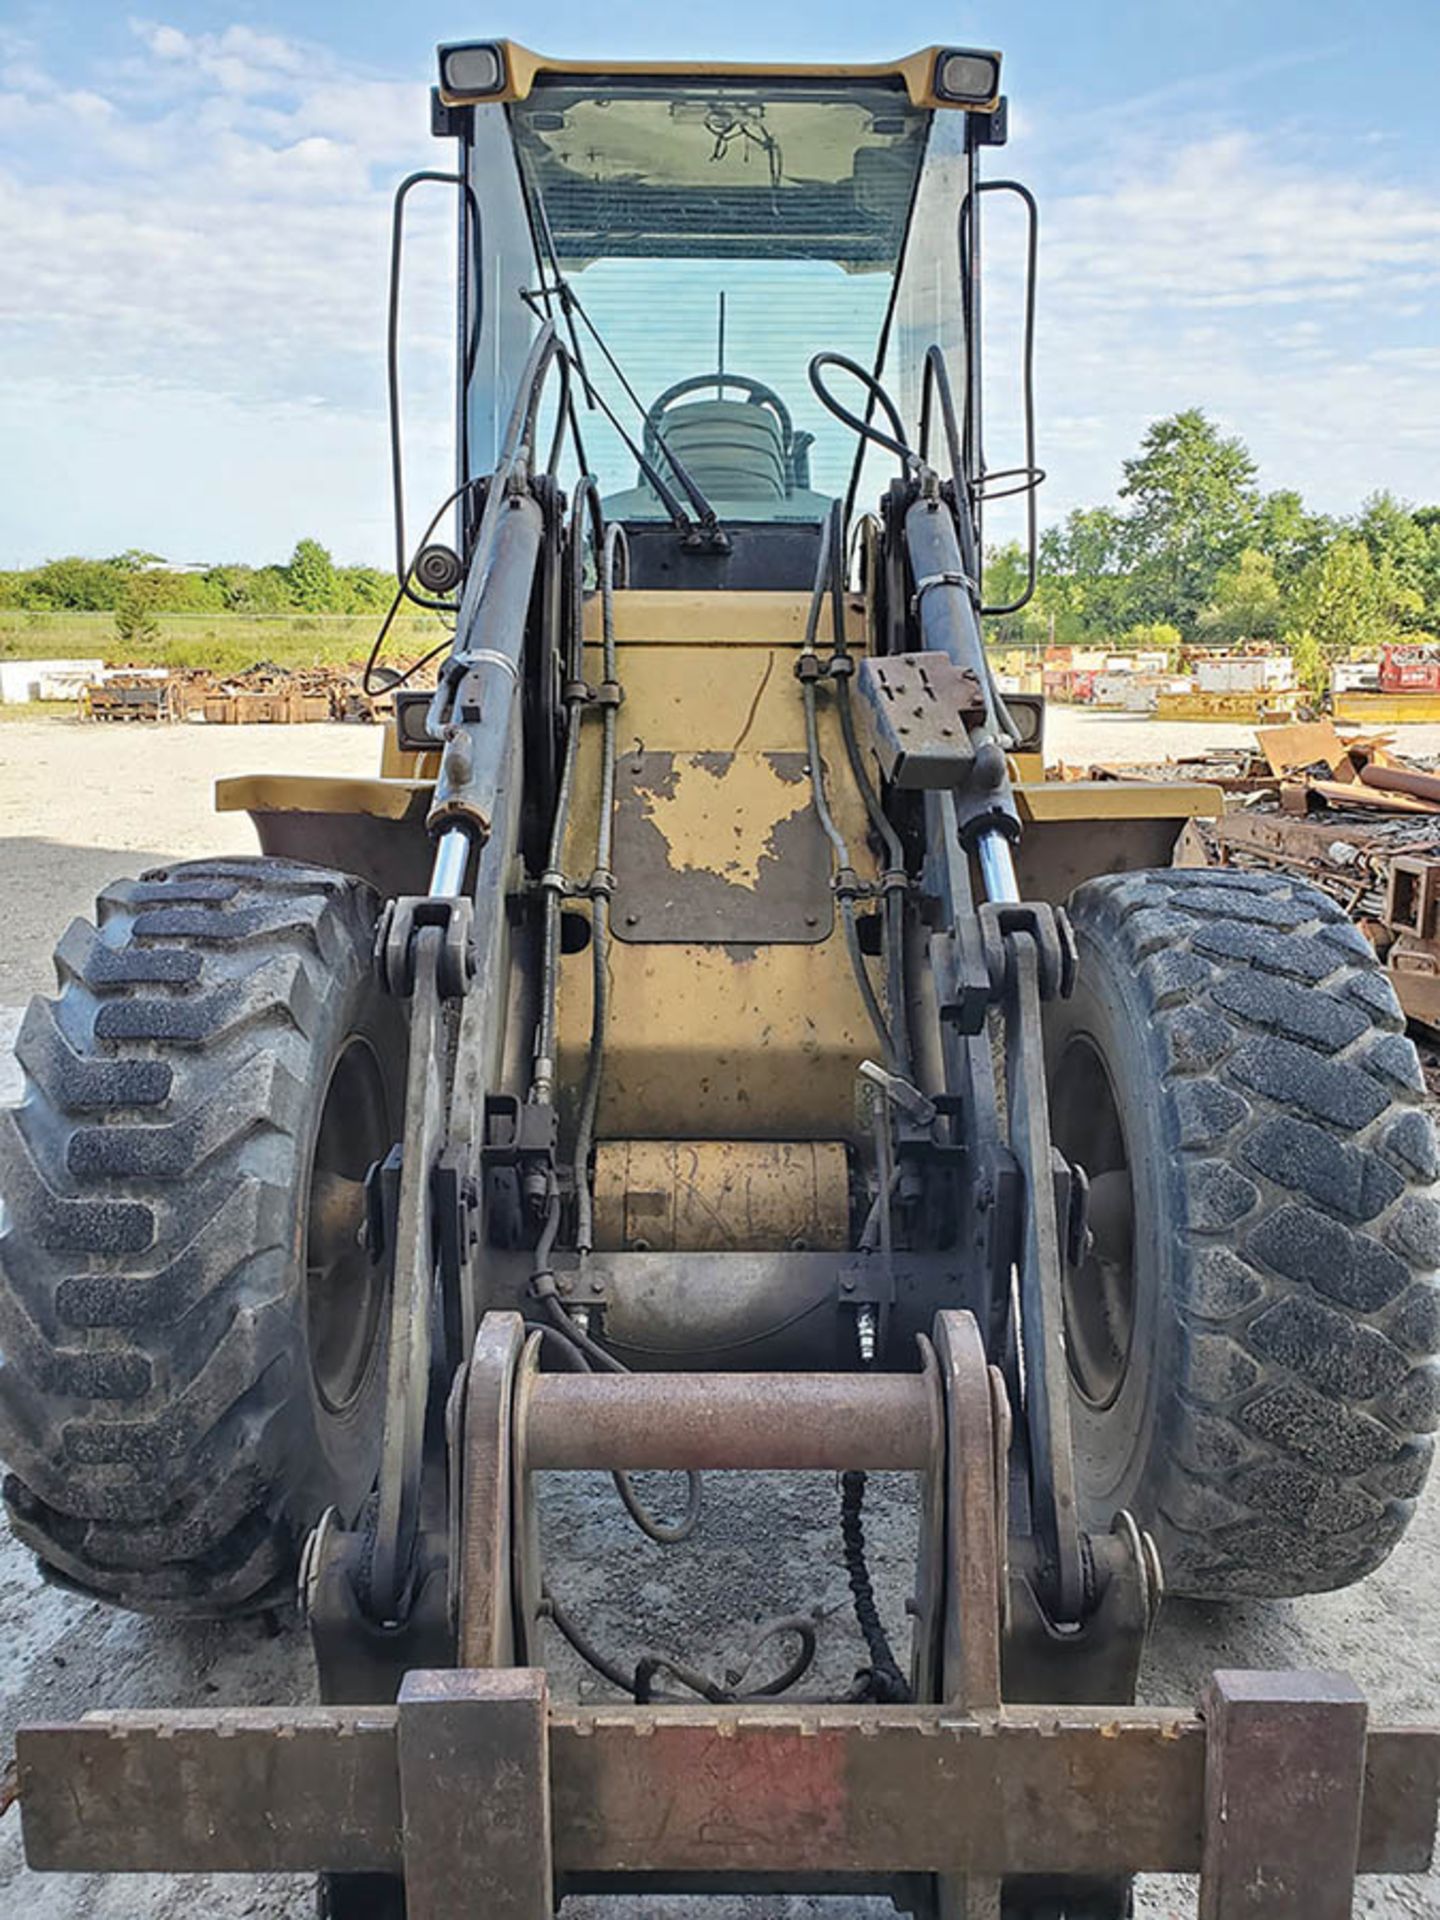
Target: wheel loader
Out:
[710,1045]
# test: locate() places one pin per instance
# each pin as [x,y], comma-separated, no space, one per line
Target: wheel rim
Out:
[344,1288]
[1100,1291]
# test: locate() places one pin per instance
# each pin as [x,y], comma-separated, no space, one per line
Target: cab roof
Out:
[920,74]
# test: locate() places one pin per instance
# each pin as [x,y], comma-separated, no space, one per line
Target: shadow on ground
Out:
[44,884]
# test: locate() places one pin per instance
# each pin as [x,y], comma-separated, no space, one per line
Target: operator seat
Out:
[731,449]
[745,456]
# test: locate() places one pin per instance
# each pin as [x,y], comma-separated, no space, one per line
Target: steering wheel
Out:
[759,395]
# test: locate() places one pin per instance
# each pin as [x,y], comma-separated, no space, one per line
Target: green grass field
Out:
[225,642]
[36,710]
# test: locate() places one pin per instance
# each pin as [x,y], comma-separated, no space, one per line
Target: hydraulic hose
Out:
[552,881]
[589,1356]
[543,1285]
[601,884]
[845,881]
[893,933]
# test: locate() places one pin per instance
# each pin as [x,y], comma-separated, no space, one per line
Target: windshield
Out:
[711,228]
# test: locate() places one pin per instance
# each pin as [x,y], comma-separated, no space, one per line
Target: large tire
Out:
[1252,1339]
[191,1358]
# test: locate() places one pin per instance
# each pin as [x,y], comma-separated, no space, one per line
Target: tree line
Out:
[1195,554]
[136,586]
[1192,554]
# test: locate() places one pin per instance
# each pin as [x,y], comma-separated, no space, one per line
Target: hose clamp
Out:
[487,657]
[922,587]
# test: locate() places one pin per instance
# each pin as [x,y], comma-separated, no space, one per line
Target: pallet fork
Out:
[482,1795]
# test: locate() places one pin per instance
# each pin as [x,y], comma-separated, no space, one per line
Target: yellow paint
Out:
[1387,709]
[672,617]
[1117,800]
[722,818]
[690,699]
[1027,766]
[704,1196]
[1272,704]
[523,68]
[323,793]
[396,763]
[714,1041]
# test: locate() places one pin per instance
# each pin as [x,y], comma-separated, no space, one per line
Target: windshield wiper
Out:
[709,532]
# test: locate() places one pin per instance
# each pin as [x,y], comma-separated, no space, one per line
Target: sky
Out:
[1240,210]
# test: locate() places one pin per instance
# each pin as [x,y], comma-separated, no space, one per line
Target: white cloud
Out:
[195,248]
[166,43]
[1224,222]
[212,226]
[239,60]
[1238,273]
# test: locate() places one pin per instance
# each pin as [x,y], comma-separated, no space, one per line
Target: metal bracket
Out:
[1098,1660]
[1053,937]
[382,1200]
[1284,1783]
[447,122]
[395,939]
[972,961]
[519,1148]
[474,1758]
[357,1661]
[454,1204]
[991,129]
[915,712]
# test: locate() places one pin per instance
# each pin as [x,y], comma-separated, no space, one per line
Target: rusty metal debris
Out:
[1343,812]
[130,696]
[262,695]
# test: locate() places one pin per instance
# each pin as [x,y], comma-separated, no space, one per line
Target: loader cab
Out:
[698,235]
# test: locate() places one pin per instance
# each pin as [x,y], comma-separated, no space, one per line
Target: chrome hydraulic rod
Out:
[997,868]
[452,857]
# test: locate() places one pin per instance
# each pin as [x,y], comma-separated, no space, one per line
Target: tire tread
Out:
[147,1277]
[1310,1232]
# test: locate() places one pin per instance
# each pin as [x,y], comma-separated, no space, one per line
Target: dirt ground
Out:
[82,805]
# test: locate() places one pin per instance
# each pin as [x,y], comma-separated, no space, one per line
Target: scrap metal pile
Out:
[1345,813]
[130,694]
[262,694]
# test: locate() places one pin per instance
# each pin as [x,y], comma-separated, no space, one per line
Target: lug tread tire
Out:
[148,1240]
[1303,1197]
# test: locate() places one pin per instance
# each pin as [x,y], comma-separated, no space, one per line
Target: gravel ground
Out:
[80,806]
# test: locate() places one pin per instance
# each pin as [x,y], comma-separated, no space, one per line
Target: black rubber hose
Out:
[591,1355]
[884,1682]
[640,1684]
